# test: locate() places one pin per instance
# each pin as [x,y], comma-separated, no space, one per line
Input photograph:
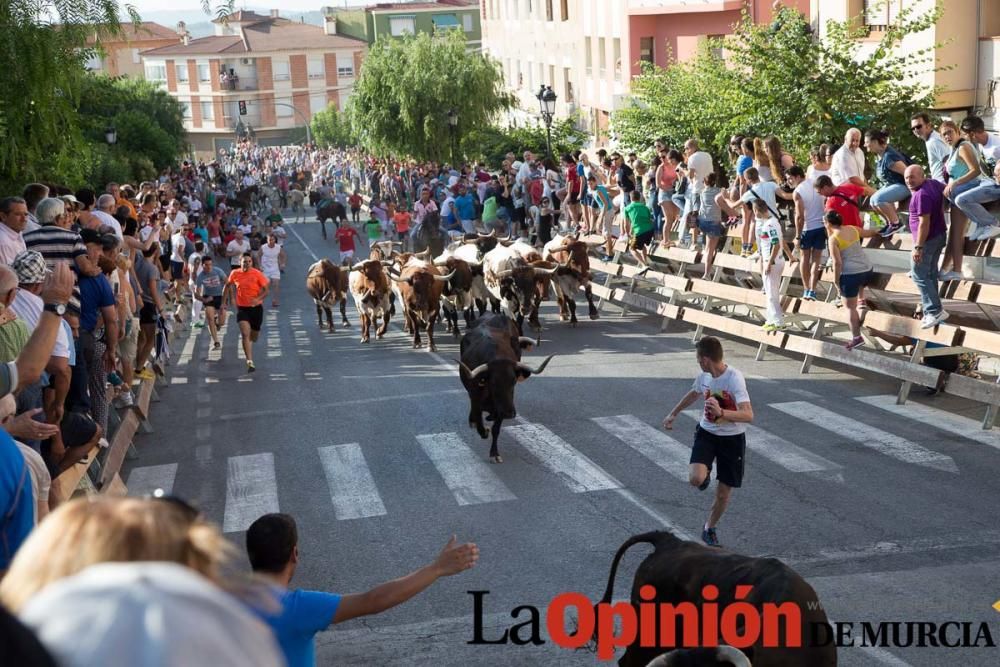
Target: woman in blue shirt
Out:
[890,167]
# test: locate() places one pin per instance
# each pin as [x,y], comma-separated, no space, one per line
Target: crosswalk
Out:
[461,463]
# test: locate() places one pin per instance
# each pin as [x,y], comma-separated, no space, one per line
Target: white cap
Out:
[147,615]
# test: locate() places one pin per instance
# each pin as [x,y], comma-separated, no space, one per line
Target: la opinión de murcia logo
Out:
[739,624]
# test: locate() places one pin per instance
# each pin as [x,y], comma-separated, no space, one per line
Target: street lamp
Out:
[452,126]
[547,106]
[111,135]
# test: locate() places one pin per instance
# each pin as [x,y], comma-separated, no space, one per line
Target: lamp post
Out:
[452,127]
[547,106]
[111,135]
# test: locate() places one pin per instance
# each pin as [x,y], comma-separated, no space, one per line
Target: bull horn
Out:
[445,278]
[547,272]
[504,274]
[535,371]
[441,262]
[474,265]
[425,253]
[532,341]
[476,372]
[733,655]
[358,266]
[399,243]
[486,236]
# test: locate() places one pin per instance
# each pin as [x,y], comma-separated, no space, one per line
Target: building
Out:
[399,18]
[121,56]
[966,39]
[282,71]
[589,50]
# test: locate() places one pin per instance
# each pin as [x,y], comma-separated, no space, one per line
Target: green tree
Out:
[332,127]
[782,79]
[406,87]
[491,144]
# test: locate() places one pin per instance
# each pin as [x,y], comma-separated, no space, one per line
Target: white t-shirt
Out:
[269,261]
[701,163]
[812,173]
[733,388]
[110,221]
[938,152]
[812,205]
[193,271]
[768,236]
[991,150]
[239,249]
[177,245]
[28,307]
[763,190]
[847,164]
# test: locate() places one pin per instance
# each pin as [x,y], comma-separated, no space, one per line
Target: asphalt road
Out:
[891,516]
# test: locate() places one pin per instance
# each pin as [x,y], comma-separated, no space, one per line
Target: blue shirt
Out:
[743,163]
[890,157]
[602,197]
[466,207]
[303,614]
[95,293]
[15,492]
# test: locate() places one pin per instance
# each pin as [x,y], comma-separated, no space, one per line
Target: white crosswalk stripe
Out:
[874,438]
[189,345]
[352,487]
[273,334]
[145,480]
[465,472]
[251,490]
[216,355]
[942,419]
[658,447]
[575,469]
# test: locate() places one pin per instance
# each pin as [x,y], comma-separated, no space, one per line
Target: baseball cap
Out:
[30,267]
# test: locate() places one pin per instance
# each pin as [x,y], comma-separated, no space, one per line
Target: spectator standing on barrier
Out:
[810,234]
[720,437]
[929,231]
[771,246]
[639,227]
[272,546]
[851,268]
[964,174]
[937,149]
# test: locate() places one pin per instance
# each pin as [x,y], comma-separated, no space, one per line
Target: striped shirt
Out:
[58,245]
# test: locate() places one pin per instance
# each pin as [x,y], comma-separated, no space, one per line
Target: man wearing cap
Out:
[28,305]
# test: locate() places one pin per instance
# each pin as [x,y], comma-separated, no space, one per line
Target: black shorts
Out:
[213,302]
[642,240]
[728,451]
[148,314]
[252,314]
[176,270]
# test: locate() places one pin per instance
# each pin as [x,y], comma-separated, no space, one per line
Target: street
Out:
[888,511]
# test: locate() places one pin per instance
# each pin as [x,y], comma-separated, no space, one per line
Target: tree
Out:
[406,87]
[332,127]
[491,144]
[782,79]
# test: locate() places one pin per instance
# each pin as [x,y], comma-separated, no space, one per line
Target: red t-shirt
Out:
[847,210]
[354,201]
[345,235]
[572,179]
[402,220]
[248,285]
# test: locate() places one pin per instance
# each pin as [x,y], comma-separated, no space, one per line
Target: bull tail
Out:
[653,537]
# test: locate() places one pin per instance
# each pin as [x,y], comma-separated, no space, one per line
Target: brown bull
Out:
[420,286]
[327,285]
[458,292]
[573,273]
[369,284]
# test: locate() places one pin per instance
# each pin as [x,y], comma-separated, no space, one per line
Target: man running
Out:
[250,286]
[210,285]
[721,432]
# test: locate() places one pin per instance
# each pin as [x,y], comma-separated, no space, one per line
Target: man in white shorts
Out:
[272,264]
[194,268]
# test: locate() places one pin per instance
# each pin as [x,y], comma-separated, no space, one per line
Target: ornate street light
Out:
[111,135]
[547,106]
[452,127]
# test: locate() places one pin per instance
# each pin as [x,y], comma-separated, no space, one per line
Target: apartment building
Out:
[122,55]
[395,19]
[280,72]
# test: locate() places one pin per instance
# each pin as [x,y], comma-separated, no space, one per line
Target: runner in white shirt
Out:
[272,263]
[194,268]
[234,251]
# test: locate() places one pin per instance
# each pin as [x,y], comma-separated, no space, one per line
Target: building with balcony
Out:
[394,19]
[122,55]
[283,71]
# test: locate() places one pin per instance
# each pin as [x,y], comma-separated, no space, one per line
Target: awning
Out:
[446,21]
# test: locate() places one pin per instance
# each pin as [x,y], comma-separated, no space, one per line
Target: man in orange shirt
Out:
[250,286]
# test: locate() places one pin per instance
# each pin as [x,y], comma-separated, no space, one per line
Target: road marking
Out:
[658,447]
[881,441]
[251,490]
[946,421]
[145,480]
[339,404]
[575,469]
[308,249]
[466,474]
[352,488]
[189,345]
[216,355]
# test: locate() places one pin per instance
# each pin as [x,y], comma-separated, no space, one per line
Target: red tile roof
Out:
[145,31]
[271,34]
[242,16]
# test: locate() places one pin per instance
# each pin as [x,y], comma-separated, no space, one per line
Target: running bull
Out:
[327,285]
[420,286]
[513,281]
[369,284]
[573,273]
[490,368]
[679,571]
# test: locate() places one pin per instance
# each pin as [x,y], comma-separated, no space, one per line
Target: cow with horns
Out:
[420,286]
[369,284]
[513,281]
[490,368]
[327,285]
[570,253]
[458,292]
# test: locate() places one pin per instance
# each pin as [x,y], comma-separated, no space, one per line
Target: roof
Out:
[242,16]
[268,35]
[145,31]
[406,6]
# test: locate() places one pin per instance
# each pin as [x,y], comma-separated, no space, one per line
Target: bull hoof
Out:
[496,459]
[573,323]
[432,348]
[346,323]
[594,315]
[330,330]
[483,433]
[380,336]
[364,339]
[562,318]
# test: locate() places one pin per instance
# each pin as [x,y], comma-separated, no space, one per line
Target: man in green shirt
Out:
[639,223]
[274,217]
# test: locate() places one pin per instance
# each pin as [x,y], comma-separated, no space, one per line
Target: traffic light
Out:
[243,108]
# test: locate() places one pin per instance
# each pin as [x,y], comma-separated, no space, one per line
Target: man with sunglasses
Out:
[938,150]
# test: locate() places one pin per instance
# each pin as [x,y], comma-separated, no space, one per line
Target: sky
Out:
[194,6]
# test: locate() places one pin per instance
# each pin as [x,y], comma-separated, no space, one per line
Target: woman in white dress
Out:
[272,263]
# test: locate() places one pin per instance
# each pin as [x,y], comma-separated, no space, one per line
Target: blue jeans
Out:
[971,201]
[890,194]
[925,274]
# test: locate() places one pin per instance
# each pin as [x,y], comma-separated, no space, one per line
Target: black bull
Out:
[679,571]
[331,210]
[490,368]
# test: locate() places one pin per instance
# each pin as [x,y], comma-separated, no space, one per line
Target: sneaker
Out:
[127,401]
[862,306]
[931,321]
[809,295]
[987,233]
[199,325]
[838,302]
[216,345]
[146,374]
[948,276]
[250,367]
[769,326]
[780,326]
[643,269]
[890,229]
[855,342]
[744,253]
[755,256]
[709,537]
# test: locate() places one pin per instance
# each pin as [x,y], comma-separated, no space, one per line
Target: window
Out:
[565,10]
[602,55]
[646,54]
[616,44]
[284,110]
[135,57]
[401,25]
[156,72]
[204,72]
[186,108]
[317,102]
[345,65]
[880,14]
[182,72]
[548,10]
[445,22]
[467,22]
[717,49]
[207,111]
[316,69]
[588,49]
[94,62]
[280,70]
